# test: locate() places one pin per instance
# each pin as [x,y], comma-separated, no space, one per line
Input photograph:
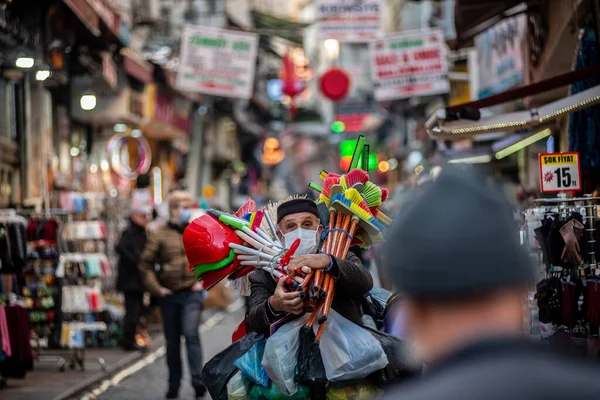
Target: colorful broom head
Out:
[372,194]
[385,194]
[366,220]
[328,183]
[356,178]
[249,206]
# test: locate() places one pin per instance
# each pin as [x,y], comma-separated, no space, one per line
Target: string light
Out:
[482,128]
[569,109]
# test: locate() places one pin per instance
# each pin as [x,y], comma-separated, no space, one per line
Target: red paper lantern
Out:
[335,84]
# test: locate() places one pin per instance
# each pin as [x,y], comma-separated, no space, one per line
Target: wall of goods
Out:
[57,280]
[563,238]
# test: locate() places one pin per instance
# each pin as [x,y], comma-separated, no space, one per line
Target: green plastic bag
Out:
[355,392]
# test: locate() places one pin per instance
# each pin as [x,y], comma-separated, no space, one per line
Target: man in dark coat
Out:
[129,280]
[454,255]
[299,218]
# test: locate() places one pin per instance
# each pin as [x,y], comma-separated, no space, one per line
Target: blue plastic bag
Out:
[281,356]
[251,364]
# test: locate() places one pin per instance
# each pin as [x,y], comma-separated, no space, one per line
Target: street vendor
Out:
[269,301]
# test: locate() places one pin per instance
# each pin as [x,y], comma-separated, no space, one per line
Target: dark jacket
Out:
[352,282]
[165,246]
[129,249]
[504,369]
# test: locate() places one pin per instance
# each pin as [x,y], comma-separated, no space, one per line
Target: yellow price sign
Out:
[559,172]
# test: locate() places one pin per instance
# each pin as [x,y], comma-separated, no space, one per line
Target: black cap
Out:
[296,206]
[457,238]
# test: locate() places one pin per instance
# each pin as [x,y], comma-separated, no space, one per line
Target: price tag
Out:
[560,172]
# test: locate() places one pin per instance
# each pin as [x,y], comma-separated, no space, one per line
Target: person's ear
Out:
[280,235]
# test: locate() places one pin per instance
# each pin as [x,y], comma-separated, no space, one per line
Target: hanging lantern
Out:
[335,84]
[290,84]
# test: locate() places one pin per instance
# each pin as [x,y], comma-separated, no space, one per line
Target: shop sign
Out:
[165,111]
[218,62]
[409,65]
[350,20]
[560,172]
[501,52]
[353,122]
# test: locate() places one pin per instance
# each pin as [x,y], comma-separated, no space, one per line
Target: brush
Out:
[328,183]
[272,227]
[384,218]
[248,207]
[373,194]
[356,178]
[315,187]
[239,249]
[366,220]
[385,194]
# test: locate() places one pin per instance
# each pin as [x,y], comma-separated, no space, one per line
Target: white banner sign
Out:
[501,52]
[217,62]
[410,64]
[350,20]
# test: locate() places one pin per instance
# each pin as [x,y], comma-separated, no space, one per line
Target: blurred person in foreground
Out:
[454,256]
[129,280]
[181,296]
[269,301]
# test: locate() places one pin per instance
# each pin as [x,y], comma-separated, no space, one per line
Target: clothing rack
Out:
[591,205]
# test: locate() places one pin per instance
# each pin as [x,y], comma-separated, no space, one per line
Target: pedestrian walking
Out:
[129,280]
[454,255]
[181,295]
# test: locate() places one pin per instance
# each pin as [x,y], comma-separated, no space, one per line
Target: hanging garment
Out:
[21,360]
[4,334]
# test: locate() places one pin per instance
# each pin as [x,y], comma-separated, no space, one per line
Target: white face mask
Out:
[308,241]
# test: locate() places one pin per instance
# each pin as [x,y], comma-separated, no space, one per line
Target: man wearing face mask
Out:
[181,296]
[269,301]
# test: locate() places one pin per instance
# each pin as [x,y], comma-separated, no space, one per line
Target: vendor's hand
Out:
[163,291]
[282,301]
[198,286]
[313,261]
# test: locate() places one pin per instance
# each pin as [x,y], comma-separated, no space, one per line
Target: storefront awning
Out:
[463,121]
[84,11]
[532,118]
[473,16]
[136,67]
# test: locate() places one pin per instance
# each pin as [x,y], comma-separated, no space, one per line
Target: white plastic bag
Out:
[236,390]
[349,351]
[281,355]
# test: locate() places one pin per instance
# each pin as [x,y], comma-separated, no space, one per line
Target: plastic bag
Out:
[402,364]
[236,390]
[218,371]
[281,355]
[349,351]
[272,393]
[250,364]
[354,392]
[310,365]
